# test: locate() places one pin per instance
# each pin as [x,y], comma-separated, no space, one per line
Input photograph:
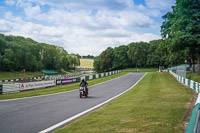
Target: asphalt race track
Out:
[36,114]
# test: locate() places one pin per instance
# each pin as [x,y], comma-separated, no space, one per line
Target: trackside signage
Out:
[67,81]
[35,85]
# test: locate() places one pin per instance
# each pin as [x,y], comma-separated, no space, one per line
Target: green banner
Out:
[86,77]
[78,79]
[1,89]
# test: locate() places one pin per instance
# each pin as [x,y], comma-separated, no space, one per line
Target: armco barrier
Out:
[10,88]
[36,85]
[194,123]
[91,77]
[1,89]
[86,77]
[50,77]
[58,82]
[78,79]
[66,81]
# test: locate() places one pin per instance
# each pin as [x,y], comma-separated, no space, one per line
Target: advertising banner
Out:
[35,85]
[74,80]
[58,82]
[78,79]
[10,88]
[66,81]
[83,78]
[90,77]
[106,74]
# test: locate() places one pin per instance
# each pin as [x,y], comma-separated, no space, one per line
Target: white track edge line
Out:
[86,111]
[56,93]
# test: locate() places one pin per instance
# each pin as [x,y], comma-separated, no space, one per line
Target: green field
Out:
[86,63]
[158,104]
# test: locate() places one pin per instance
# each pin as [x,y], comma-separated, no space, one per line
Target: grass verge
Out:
[21,75]
[193,76]
[18,75]
[156,105]
[59,88]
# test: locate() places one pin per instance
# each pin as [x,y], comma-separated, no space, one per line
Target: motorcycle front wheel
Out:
[81,96]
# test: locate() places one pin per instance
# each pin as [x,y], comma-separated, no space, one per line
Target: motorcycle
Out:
[83,92]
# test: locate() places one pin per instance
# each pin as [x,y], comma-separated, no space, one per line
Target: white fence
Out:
[190,83]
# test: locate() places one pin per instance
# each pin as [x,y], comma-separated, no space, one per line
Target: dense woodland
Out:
[180,43]
[18,53]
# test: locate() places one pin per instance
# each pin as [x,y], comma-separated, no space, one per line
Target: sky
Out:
[84,27]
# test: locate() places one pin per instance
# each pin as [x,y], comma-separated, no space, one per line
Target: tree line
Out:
[87,57]
[139,54]
[180,43]
[18,53]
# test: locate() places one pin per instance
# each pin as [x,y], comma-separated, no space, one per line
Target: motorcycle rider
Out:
[84,84]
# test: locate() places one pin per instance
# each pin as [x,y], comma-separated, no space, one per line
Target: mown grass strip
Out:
[59,88]
[157,104]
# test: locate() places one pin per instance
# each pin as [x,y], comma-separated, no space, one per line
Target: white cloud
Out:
[10,2]
[33,11]
[74,27]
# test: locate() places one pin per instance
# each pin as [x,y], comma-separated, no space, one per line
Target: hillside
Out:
[19,53]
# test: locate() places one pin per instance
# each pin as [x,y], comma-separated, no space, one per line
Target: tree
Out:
[154,58]
[73,61]
[7,60]
[104,62]
[98,64]
[121,59]
[138,53]
[182,26]
[107,58]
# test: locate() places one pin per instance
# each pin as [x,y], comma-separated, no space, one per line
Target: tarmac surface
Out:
[32,115]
